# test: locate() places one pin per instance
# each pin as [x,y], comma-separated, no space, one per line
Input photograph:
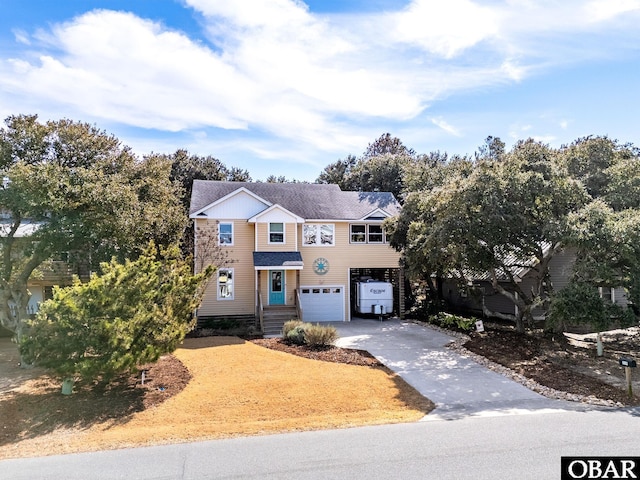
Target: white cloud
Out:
[278,68]
[602,10]
[441,123]
[120,67]
[21,36]
[256,13]
[512,70]
[446,28]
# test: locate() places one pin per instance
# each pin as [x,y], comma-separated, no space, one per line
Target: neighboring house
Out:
[295,247]
[55,272]
[481,292]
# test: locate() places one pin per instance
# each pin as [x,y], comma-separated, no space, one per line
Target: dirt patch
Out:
[210,388]
[37,408]
[566,363]
[11,374]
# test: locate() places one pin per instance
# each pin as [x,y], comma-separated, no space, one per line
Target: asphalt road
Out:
[525,446]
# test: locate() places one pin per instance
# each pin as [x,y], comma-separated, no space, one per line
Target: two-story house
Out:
[58,271]
[293,247]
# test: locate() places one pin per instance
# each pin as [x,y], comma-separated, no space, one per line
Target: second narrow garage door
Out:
[322,303]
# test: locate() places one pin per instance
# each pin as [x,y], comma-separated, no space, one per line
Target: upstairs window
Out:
[276,233]
[318,235]
[358,233]
[375,234]
[225,234]
[366,233]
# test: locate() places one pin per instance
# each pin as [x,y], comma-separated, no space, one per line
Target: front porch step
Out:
[274,318]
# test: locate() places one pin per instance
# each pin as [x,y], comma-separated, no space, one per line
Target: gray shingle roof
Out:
[307,200]
[276,259]
[517,265]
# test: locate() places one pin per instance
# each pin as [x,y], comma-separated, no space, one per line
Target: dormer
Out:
[276,228]
[240,204]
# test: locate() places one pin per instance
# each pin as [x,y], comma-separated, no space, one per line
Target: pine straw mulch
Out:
[325,354]
[566,363]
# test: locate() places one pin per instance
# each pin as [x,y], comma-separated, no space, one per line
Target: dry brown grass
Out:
[237,388]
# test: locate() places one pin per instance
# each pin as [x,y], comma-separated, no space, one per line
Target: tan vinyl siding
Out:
[342,257]
[263,244]
[243,302]
[345,255]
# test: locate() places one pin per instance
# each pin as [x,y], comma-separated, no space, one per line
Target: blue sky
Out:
[285,87]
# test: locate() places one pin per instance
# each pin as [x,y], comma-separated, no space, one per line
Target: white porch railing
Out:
[260,311]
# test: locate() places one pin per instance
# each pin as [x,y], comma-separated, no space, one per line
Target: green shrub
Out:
[319,335]
[297,334]
[288,326]
[580,303]
[448,320]
[221,324]
[300,333]
[466,324]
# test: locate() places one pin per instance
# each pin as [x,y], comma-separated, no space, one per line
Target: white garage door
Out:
[322,303]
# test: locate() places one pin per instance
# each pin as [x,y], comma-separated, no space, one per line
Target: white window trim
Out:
[219,287]
[284,237]
[367,234]
[613,293]
[318,227]
[351,233]
[220,234]
[384,237]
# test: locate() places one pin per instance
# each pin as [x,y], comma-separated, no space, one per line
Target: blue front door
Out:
[276,287]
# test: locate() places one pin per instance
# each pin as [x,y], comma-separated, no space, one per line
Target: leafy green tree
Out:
[596,161]
[280,179]
[337,172]
[623,188]
[492,149]
[387,145]
[382,173]
[608,247]
[500,216]
[606,233]
[433,170]
[70,188]
[380,169]
[130,314]
[427,173]
[185,168]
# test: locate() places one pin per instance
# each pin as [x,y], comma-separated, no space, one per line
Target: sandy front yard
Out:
[237,388]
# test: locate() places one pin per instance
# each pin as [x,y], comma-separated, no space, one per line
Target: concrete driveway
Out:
[456,384]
